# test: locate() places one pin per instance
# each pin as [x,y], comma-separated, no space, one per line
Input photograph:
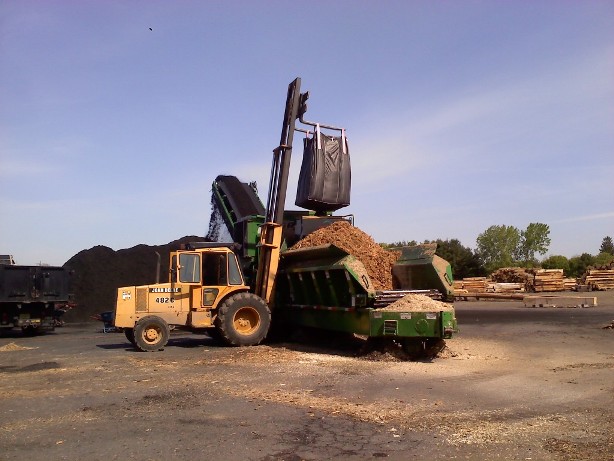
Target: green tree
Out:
[464,262]
[607,246]
[497,245]
[556,262]
[535,239]
[603,259]
[403,243]
[579,264]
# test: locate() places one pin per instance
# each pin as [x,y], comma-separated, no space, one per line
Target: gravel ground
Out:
[515,383]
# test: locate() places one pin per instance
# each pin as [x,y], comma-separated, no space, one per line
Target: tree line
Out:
[507,246]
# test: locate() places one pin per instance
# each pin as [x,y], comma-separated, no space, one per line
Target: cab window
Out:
[214,269]
[189,268]
[234,273]
[174,269]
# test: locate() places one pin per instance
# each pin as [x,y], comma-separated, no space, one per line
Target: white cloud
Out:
[591,217]
[490,124]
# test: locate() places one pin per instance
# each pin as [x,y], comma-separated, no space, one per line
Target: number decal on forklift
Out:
[165,300]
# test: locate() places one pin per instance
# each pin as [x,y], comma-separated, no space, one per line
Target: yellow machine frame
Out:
[190,298]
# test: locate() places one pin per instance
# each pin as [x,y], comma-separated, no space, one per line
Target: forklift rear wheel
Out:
[129,332]
[244,320]
[151,334]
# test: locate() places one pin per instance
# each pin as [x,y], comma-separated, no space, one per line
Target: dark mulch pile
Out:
[99,271]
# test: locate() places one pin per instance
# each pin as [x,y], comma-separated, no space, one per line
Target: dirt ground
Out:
[516,383]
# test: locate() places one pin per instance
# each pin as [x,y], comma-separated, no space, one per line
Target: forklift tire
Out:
[129,332]
[151,334]
[243,320]
[215,334]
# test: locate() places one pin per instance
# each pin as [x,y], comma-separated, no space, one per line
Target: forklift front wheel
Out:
[244,320]
[151,334]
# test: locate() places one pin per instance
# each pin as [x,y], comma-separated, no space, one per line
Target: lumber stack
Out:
[510,275]
[506,287]
[599,279]
[570,284]
[471,285]
[546,280]
[511,280]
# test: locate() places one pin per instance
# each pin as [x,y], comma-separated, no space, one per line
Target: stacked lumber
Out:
[508,287]
[471,285]
[599,279]
[546,280]
[458,287]
[510,275]
[570,284]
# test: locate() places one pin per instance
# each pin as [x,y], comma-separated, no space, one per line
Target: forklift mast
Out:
[271,233]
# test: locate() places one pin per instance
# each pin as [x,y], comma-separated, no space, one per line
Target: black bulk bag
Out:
[325,178]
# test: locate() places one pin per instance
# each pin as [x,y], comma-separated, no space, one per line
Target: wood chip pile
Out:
[377,261]
[417,302]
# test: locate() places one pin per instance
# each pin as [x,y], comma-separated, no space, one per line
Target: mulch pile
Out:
[377,261]
[100,270]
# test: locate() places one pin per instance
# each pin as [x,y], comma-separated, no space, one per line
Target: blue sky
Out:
[460,115]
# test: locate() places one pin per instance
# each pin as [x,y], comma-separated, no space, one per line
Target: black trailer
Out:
[33,298]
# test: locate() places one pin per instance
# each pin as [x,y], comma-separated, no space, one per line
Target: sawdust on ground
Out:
[14,347]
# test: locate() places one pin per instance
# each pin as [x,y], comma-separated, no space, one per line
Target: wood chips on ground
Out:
[14,347]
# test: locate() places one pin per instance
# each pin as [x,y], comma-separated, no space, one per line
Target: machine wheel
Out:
[414,348]
[30,330]
[215,334]
[418,349]
[151,334]
[129,332]
[243,320]
[433,346]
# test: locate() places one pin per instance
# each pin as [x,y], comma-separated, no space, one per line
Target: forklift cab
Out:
[212,272]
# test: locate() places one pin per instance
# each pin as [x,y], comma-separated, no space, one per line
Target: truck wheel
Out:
[244,320]
[29,331]
[413,348]
[129,332]
[433,346]
[151,334]
[418,349]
